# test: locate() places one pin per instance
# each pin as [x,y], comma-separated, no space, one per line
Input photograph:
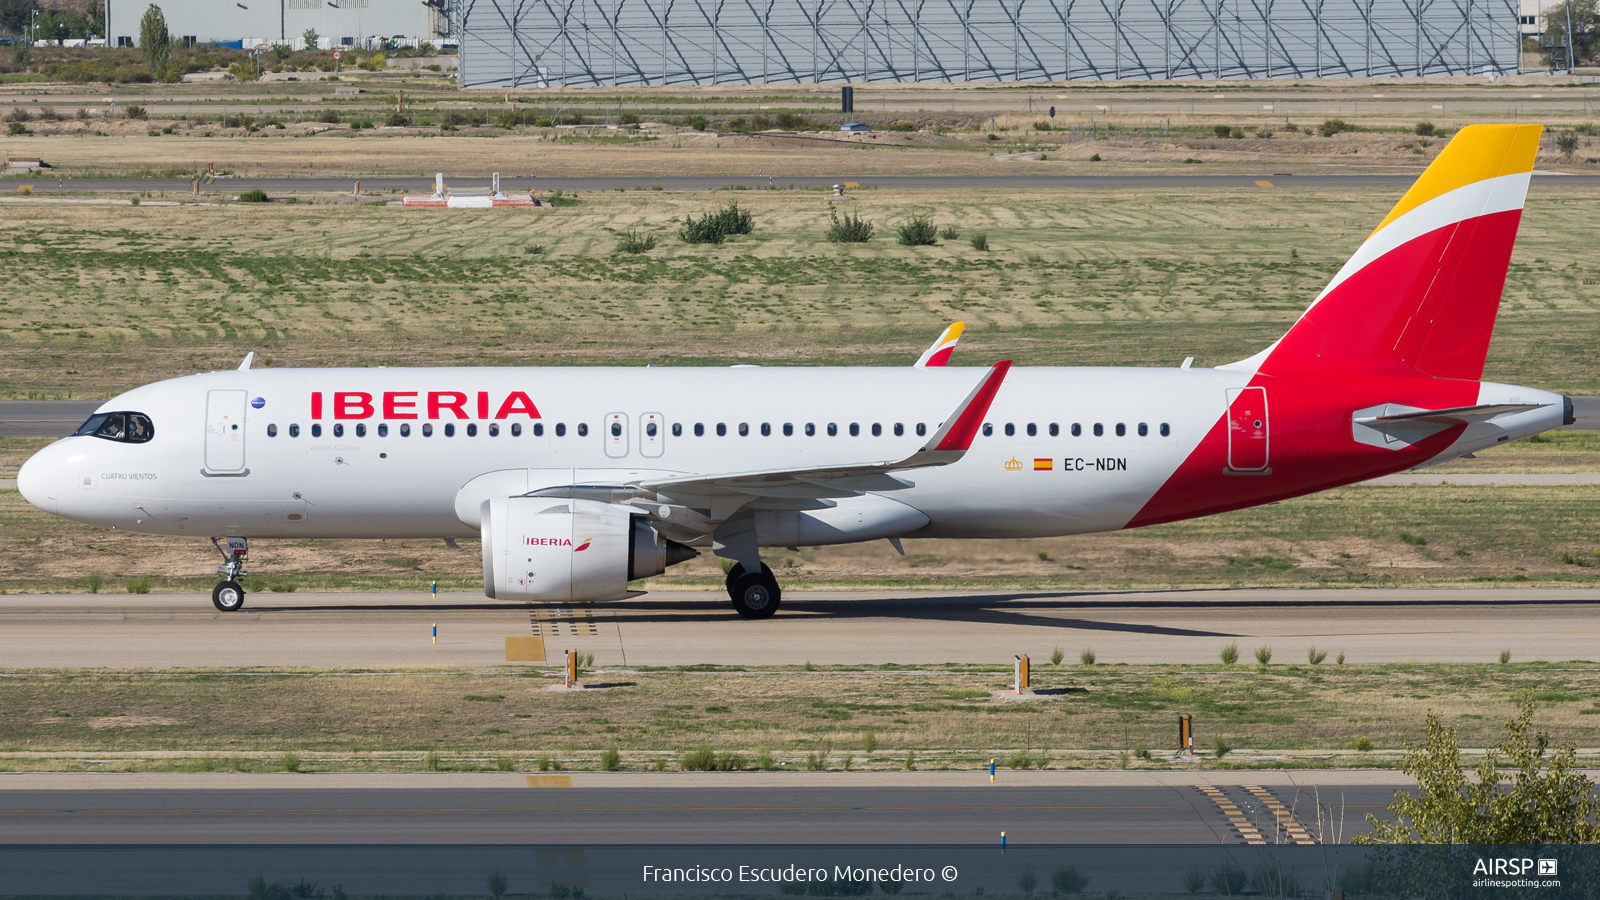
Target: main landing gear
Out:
[755,595]
[228,596]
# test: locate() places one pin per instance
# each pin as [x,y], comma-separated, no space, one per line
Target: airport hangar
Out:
[622,43]
[338,23]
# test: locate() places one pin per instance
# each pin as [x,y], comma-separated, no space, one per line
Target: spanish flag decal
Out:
[1043,465]
[583,546]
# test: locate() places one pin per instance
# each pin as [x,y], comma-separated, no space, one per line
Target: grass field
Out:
[100,299]
[867,718]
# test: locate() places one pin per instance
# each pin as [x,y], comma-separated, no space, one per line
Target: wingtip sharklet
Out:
[958,434]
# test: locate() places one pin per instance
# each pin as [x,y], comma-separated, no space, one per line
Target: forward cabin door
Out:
[615,435]
[225,431]
[1247,429]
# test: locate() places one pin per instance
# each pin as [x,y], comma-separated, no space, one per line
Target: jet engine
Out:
[547,549]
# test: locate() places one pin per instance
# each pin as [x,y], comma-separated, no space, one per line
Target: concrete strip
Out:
[8,484]
[388,629]
[1485,478]
[211,781]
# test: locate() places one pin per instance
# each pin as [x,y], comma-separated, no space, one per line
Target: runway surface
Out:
[1396,177]
[1179,812]
[824,627]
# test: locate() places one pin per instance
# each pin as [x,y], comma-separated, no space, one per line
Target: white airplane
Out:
[579,481]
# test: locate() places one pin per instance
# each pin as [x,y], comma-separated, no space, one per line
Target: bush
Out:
[1424,129]
[610,759]
[1567,143]
[396,119]
[1236,133]
[698,123]
[1027,881]
[791,121]
[635,240]
[702,759]
[1362,743]
[1230,654]
[715,227]
[1068,880]
[919,232]
[95,583]
[328,117]
[911,760]
[290,761]
[1228,880]
[851,229]
[1315,656]
[950,232]
[1056,656]
[1020,760]
[16,128]
[496,882]
[20,114]
[255,196]
[1331,127]
[1094,158]
[1220,131]
[980,241]
[869,741]
[1220,748]
[134,112]
[1041,125]
[1194,880]
[1264,655]
[900,126]
[1275,881]
[1087,656]
[139,585]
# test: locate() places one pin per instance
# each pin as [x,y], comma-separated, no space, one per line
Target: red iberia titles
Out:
[401,405]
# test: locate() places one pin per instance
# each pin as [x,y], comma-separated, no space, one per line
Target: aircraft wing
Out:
[1456,415]
[939,353]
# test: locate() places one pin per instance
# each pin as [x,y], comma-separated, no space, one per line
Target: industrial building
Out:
[540,43]
[346,23]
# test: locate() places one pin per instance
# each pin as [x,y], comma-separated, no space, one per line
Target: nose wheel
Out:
[755,595]
[228,596]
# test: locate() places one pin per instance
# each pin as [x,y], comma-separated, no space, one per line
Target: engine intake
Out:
[538,548]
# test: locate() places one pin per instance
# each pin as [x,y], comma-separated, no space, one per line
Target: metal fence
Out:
[542,43]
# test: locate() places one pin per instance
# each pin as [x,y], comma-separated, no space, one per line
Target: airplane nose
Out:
[37,481]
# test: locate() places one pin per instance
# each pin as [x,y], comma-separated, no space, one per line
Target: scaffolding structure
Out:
[576,43]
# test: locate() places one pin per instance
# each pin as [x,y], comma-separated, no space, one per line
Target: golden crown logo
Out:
[1015,465]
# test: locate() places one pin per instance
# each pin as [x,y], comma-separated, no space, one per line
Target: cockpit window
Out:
[127,427]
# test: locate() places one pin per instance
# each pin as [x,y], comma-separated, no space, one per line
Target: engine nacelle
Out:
[538,548]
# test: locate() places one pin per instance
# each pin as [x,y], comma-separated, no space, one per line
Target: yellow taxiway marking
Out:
[1263,184]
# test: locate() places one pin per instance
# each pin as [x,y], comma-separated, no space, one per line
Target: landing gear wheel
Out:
[737,572]
[756,596]
[228,596]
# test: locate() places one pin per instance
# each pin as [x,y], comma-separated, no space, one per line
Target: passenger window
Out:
[699,430]
[899,429]
[516,429]
[788,429]
[1033,430]
[1144,430]
[1011,430]
[561,429]
[1099,430]
[361,429]
[1055,430]
[855,429]
[383,429]
[616,429]
[744,429]
[1122,430]
[722,429]
[988,430]
[877,430]
[766,429]
[538,430]
[338,430]
[449,429]
[650,429]
[833,429]
[921,429]
[1077,430]
[677,429]
[427,429]
[811,429]
[1166,430]
[272,431]
[494,429]
[405,429]
[316,431]
[472,429]
[294,430]
[583,429]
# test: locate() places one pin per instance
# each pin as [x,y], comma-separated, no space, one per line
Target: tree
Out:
[1544,801]
[1585,29]
[155,44]
[310,37]
[95,22]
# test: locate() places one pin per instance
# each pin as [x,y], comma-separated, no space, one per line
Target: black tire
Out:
[756,596]
[228,596]
[735,573]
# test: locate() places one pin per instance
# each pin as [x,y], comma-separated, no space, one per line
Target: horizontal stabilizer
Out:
[1458,415]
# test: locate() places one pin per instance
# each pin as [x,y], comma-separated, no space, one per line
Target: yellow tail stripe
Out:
[1476,153]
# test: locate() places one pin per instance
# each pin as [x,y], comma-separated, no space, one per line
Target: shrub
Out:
[1424,129]
[1220,131]
[715,227]
[980,241]
[994,137]
[636,241]
[1315,656]
[1230,654]
[698,123]
[950,232]
[1041,125]
[496,881]
[1567,143]
[1236,133]
[1220,748]
[1361,743]
[284,587]
[1094,158]
[505,764]
[1414,540]
[702,759]
[430,761]
[16,128]
[20,114]
[911,760]
[1264,655]
[1087,656]
[134,112]
[1068,880]
[139,585]
[1228,880]
[900,126]
[396,119]
[1020,760]
[255,584]
[1275,881]
[1194,880]
[918,232]
[95,583]
[816,762]
[290,761]
[791,121]
[869,741]
[1056,656]
[610,759]
[1027,881]
[1331,127]
[731,762]
[764,759]
[852,229]
[255,196]
[1505,657]
[328,116]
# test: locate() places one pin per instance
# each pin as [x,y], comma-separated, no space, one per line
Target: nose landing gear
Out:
[228,596]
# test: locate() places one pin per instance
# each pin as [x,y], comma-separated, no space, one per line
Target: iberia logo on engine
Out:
[583,546]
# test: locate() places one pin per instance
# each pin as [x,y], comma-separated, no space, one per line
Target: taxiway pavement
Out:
[824,627]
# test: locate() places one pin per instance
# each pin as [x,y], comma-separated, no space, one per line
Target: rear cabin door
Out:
[225,431]
[1247,429]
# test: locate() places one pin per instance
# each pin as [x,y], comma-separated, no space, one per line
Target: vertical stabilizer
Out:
[1421,293]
